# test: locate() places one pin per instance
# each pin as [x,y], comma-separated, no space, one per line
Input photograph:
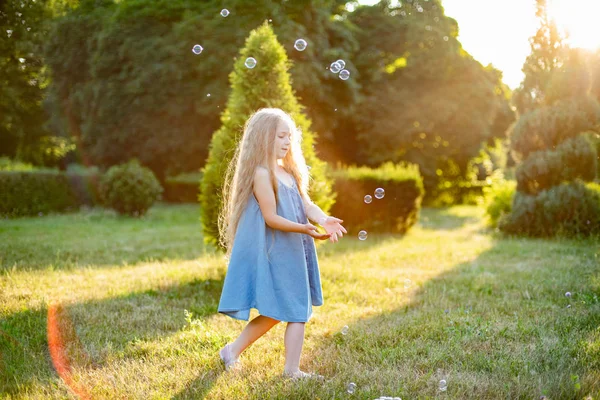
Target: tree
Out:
[22,84]
[266,85]
[547,54]
[427,101]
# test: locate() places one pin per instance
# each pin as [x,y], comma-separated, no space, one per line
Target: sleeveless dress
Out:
[273,271]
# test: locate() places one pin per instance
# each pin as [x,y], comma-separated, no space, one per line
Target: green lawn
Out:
[450,300]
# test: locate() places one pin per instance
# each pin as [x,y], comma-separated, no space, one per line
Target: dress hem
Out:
[265,315]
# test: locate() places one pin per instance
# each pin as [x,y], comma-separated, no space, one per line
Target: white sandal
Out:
[227,358]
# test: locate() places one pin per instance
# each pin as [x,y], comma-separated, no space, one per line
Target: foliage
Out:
[498,199]
[569,209]
[183,188]
[266,85]
[36,192]
[426,100]
[130,188]
[396,212]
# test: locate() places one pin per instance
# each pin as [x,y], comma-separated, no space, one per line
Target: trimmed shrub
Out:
[32,192]
[568,209]
[574,158]
[266,85]
[130,188]
[396,212]
[546,127]
[184,188]
[498,199]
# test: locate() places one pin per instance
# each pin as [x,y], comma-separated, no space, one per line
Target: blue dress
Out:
[273,271]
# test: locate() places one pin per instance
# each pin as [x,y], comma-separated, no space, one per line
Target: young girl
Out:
[273,263]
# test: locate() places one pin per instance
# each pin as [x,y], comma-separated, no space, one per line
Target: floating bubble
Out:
[368,199]
[9,32]
[250,62]
[568,294]
[428,28]
[351,387]
[344,74]
[568,306]
[207,94]
[407,283]
[443,385]
[300,44]
[420,9]
[341,62]
[224,12]
[362,235]
[335,67]
[446,311]
[345,330]
[446,38]
[403,13]
[197,49]
[379,193]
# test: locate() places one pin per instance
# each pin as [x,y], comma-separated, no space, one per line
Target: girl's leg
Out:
[255,329]
[294,338]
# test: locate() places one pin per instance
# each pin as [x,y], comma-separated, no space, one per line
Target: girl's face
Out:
[283,139]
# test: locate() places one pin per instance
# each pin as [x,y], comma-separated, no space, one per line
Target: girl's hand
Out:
[332,225]
[311,230]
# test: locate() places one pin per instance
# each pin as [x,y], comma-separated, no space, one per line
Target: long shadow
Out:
[460,327]
[120,321]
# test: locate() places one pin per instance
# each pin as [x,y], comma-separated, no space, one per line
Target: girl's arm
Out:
[263,191]
[332,225]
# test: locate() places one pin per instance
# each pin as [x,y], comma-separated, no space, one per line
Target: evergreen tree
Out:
[266,85]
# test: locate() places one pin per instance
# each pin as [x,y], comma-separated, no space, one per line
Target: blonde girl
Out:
[265,227]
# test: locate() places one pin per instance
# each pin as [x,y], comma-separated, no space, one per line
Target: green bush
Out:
[130,188]
[32,192]
[266,85]
[575,158]
[498,199]
[567,209]
[396,212]
[183,188]
[547,127]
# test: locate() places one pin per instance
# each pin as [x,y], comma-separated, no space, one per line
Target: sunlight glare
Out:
[578,18]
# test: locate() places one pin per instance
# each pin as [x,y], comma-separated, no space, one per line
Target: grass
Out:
[135,303]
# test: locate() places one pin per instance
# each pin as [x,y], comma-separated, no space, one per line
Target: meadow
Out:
[128,310]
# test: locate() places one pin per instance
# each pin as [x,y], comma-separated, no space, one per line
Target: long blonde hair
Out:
[256,148]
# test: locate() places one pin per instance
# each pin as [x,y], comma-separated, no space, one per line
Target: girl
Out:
[273,263]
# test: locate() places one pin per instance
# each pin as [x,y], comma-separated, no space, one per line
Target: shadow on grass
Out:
[87,327]
[495,327]
[444,219]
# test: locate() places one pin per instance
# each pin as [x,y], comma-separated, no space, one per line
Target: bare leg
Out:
[294,339]
[254,330]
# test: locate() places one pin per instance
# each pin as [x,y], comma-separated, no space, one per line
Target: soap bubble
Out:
[407,283]
[351,387]
[342,63]
[446,38]
[345,330]
[335,67]
[250,62]
[362,235]
[344,74]
[568,294]
[300,44]
[443,385]
[368,199]
[379,193]
[197,49]
[224,12]
[208,95]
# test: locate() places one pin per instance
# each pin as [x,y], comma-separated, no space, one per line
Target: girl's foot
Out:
[227,358]
[295,375]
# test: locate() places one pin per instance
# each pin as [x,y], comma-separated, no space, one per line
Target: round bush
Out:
[130,188]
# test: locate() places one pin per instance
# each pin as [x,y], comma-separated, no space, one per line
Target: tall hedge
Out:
[266,85]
